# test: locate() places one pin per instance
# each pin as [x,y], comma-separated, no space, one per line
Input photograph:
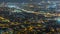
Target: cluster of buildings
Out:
[30,18]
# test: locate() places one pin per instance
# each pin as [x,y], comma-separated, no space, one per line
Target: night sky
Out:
[20,1]
[17,1]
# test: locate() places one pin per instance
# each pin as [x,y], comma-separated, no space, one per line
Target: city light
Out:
[30,17]
[58,19]
[12,6]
